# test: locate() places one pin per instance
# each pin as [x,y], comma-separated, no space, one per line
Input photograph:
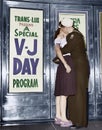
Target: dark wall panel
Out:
[0,55]
[98,59]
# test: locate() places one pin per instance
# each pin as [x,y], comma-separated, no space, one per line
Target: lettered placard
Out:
[26,50]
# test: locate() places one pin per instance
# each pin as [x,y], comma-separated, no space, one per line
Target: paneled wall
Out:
[40,106]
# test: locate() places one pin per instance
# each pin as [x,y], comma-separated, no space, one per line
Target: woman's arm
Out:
[60,56]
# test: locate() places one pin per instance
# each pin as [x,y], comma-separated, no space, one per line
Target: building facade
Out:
[27,73]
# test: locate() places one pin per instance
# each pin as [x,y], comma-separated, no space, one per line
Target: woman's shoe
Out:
[57,121]
[73,127]
[66,123]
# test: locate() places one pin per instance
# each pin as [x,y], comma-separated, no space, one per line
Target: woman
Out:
[65,77]
[77,104]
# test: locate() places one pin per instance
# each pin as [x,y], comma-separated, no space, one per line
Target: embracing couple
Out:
[72,76]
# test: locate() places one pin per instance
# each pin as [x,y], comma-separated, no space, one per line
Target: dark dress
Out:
[77,104]
[65,83]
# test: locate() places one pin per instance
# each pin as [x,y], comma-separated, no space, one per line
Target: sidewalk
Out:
[93,125]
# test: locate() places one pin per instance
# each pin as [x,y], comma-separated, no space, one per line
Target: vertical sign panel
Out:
[79,21]
[26,50]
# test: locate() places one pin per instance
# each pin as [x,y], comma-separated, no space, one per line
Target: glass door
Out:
[83,20]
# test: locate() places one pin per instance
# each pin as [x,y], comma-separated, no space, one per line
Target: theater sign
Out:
[26,50]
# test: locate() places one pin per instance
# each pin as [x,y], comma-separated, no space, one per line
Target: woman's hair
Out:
[58,30]
[56,33]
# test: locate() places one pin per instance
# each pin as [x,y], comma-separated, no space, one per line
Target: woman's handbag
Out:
[56,60]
